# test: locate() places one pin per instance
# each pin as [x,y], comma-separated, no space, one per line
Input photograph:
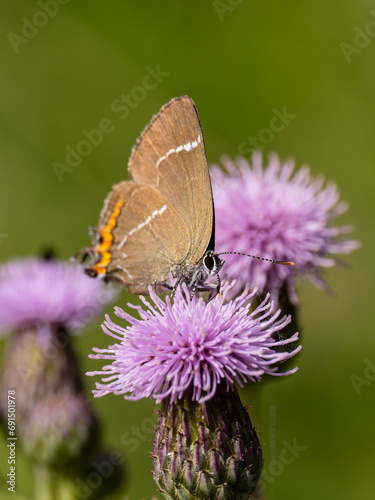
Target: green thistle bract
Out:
[206,450]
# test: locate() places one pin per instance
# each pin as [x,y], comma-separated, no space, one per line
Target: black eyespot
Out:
[91,272]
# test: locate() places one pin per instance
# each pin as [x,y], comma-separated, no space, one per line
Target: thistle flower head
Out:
[37,292]
[43,302]
[271,212]
[206,450]
[190,345]
[59,429]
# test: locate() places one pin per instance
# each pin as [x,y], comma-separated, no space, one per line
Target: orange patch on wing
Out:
[107,240]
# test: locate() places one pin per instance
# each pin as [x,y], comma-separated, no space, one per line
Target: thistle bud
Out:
[206,450]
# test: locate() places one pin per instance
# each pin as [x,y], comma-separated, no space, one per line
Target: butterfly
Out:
[161,221]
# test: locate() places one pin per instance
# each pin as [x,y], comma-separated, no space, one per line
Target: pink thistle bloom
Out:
[191,346]
[38,293]
[274,213]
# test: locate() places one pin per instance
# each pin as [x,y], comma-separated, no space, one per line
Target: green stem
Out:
[66,488]
[43,483]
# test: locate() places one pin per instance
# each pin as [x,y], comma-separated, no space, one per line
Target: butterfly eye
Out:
[209,262]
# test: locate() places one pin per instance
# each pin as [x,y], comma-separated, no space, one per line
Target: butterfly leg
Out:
[162,285]
[209,287]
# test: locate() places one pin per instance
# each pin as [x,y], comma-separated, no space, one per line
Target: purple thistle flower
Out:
[43,302]
[60,428]
[269,212]
[37,292]
[191,345]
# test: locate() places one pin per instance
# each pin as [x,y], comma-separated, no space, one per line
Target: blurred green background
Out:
[238,61]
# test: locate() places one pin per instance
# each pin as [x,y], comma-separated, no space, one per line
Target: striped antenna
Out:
[283,262]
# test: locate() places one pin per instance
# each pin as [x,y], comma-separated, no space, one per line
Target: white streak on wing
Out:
[142,224]
[122,268]
[187,147]
[123,241]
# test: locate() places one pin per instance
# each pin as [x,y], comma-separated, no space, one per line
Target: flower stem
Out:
[65,488]
[43,483]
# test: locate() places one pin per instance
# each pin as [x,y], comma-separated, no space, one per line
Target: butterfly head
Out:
[212,263]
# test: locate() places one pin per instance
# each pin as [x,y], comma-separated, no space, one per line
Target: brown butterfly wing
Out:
[170,157]
[134,237]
